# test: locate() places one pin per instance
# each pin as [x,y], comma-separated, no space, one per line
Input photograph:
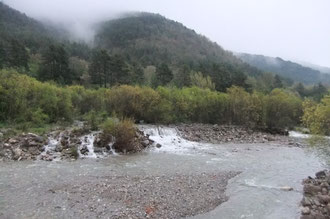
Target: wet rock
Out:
[17,153]
[12,141]
[316,196]
[286,188]
[320,174]
[306,202]
[324,191]
[22,147]
[305,211]
[145,143]
[84,150]
[324,199]
[312,189]
[58,148]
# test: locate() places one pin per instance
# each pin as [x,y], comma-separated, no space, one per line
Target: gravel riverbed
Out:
[163,196]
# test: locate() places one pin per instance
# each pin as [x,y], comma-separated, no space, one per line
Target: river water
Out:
[258,192]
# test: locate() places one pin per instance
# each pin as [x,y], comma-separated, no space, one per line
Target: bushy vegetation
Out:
[317,116]
[122,132]
[26,100]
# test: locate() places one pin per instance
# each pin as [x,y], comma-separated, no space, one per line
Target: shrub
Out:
[282,109]
[125,132]
[317,116]
[122,131]
[94,119]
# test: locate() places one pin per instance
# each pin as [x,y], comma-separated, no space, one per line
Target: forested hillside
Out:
[287,69]
[151,39]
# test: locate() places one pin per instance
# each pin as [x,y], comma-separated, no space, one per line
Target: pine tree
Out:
[137,75]
[163,75]
[277,82]
[100,67]
[183,77]
[301,90]
[119,70]
[18,55]
[55,65]
[2,56]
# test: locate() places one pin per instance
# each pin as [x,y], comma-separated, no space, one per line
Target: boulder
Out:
[312,189]
[305,210]
[84,150]
[17,152]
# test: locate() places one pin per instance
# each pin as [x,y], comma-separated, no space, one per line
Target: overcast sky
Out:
[291,29]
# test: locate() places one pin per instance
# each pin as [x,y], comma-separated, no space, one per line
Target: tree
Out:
[197,79]
[55,65]
[119,70]
[319,91]
[277,82]
[18,55]
[2,56]
[136,74]
[163,75]
[182,78]
[79,68]
[300,88]
[99,69]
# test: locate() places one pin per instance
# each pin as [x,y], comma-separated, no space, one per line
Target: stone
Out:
[324,191]
[311,189]
[305,210]
[84,150]
[320,174]
[145,143]
[158,145]
[324,199]
[328,208]
[12,141]
[17,153]
[58,148]
[286,188]
[306,202]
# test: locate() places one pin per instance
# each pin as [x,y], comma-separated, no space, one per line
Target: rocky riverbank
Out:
[71,143]
[316,201]
[219,134]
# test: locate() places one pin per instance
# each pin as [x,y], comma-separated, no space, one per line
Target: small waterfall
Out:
[112,150]
[50,149]
[169,139]
[87,142]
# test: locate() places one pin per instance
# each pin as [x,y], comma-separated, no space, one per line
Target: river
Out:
[259,191]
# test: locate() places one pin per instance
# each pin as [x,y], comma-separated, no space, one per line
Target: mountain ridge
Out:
[285,68]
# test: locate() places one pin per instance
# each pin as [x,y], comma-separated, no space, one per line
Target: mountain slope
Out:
[152,39]
[15,25]
[287,69]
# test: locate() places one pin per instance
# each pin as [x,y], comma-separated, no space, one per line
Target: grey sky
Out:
[291,29]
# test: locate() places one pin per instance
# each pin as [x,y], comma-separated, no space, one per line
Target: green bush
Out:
[282,109]
[317,116]
[122,131]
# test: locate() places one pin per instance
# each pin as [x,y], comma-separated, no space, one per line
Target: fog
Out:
[297,29]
